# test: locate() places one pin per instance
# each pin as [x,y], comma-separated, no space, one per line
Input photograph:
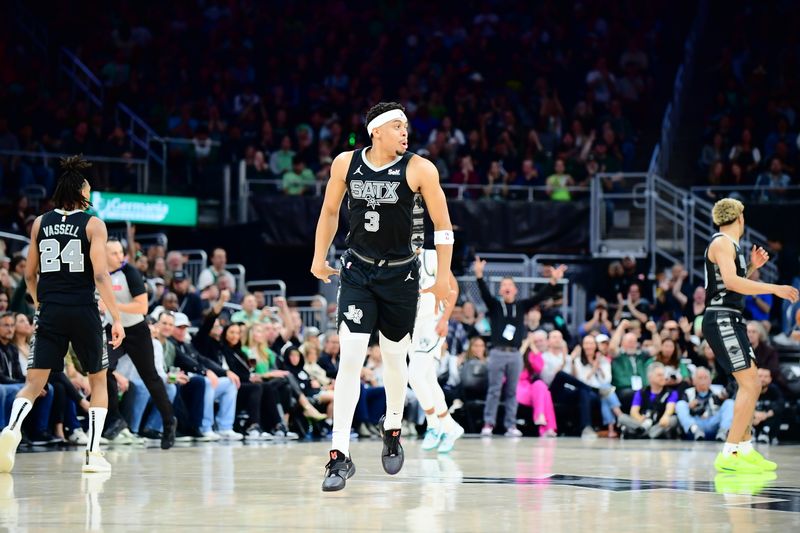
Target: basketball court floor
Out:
[486,485]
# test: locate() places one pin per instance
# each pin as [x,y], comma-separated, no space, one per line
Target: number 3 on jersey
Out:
[52,256]
[373,221]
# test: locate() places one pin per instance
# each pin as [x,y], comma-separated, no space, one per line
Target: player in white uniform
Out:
[430,330]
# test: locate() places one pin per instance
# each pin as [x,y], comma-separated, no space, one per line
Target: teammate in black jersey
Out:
[727,283]
[379,286]
[66,263]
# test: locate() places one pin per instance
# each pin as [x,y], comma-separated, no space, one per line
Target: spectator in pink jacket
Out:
[531,390]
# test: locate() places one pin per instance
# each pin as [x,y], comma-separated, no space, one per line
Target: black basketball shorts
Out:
[382,296]
[726,333]
[56,326]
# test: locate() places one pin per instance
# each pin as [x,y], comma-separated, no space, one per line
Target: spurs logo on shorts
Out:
[354,314]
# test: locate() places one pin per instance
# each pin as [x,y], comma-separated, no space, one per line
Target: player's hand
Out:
[663,422]
[787,292]
[557,273]
[479,266]
[440,290]
[43,393]
[758,257]
[117,335]
[122,382]
[323,271]
[442,327]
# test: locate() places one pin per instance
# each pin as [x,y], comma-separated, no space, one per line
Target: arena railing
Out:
[102,168]
[196,262]
[239,273]
[152,239]
[17,244]
[311,314]
[32,26]
[140,134]
[247,189]
[618,222]
[749,193]
[647,216]
[271,288]
[660,160]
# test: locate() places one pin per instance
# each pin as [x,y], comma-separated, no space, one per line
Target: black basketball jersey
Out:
[66,275]
[716,293]
[381,204]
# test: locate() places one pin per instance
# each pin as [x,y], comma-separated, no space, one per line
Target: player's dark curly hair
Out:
[381,108]
[68,189]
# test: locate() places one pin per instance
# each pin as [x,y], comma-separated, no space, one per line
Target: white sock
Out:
[19,410]
[97,419]
[395,379]
[729,449]
[446,422]
[745,447]
[433,421]
[353,348]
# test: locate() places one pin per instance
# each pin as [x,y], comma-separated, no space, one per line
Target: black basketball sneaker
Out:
[338,470]
[168,436]
[392,456]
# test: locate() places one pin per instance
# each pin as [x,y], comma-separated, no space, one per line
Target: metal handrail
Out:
[319,187]
[71,69]
[91,158]
[14,237]
[33,27]
[699,189]
[239,273]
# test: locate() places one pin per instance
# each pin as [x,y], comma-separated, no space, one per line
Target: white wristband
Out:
[444,236]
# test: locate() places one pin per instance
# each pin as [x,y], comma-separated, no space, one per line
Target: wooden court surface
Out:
[490,485]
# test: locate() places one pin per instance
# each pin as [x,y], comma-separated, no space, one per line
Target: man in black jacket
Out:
[12,380]
[507,318]
[329,359]
[221,384]
[769,408]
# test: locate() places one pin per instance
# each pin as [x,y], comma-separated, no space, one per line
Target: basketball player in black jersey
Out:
[724,328]
[379,284]
[66,263]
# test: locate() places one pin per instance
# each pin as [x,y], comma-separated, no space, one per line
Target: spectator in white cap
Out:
[603,342]
[220,386]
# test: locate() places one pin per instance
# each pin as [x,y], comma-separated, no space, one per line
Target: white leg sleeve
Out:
[395,379]
[353,350]
[419,367]
[439,403]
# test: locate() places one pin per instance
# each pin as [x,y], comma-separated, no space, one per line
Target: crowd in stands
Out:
[246,365]
[751,133]
[498,95]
